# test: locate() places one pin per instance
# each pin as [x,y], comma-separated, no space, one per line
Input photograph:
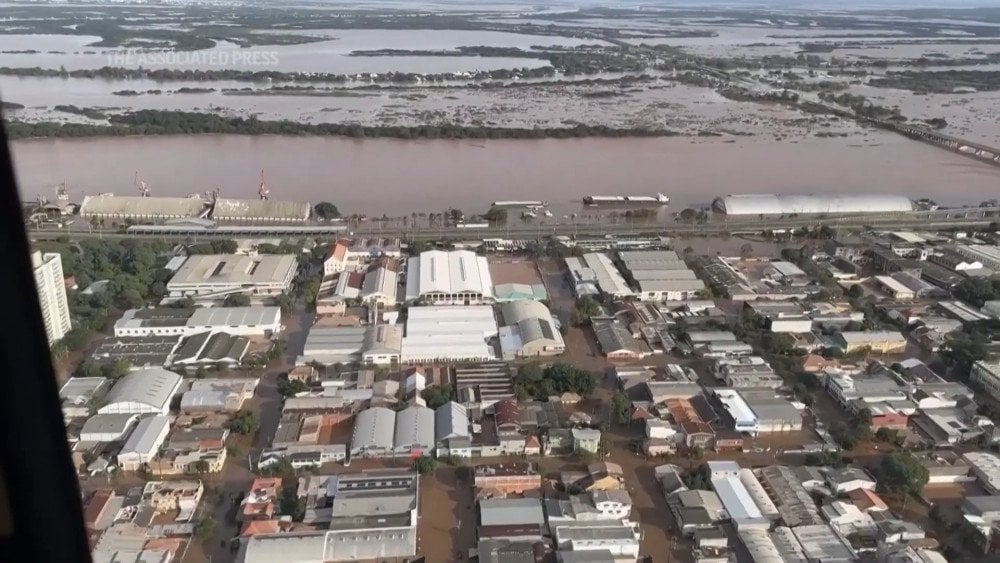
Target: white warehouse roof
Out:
[456,271]
[449,333]
[225,317]
[776,204]
[414,429]
[738,502]
[143,391]
[373,429]
[147,437]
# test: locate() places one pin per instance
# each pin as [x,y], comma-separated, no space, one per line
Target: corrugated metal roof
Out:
[150,386]
[259,209]
[135,206]
[414,428]
[373,429]
[147,436]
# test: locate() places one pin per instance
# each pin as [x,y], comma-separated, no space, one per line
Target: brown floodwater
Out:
[376,176]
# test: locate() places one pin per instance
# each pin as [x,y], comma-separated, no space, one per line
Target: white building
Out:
[606,275]
[619,538]
[529,330]
[215,276]
[79,395]
[144,442]
[107,427]
[238,321]
[166,321]
[373,433]
[414,435]
[144,391]
[51,294]
[457,277]
[449,334]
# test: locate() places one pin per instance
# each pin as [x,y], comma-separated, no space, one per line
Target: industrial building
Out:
[582,278]
[739,504]
[107,427]
[987,255]
[414,433]
[80,395]
[779,204]
[367,345]
[660,275]
[259,211]
[210,349]
[112,208]
[373,433]
[879,342]
[238,321]
[452,436]
[756,411]
[170,321]
[145,391]
[144,442]
[786,486]
[372,517]
[449,334]
[457,277]
[215,276]
[605,275]
[529,330]
[51,289]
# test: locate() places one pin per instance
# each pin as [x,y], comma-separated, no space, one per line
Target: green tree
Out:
[285,302]
[902,474]
[620,406]
[424,464]
[962,352]
[289,388]
[245,422]
[117,369]
[585,308]
[326,210]
[89,368]
[856,291]
[237,300]
[437,395]
[697,478]
[204,528]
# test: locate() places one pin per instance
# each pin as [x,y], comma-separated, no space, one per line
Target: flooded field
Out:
[399,177]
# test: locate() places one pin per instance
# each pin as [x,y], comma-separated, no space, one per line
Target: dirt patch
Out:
[514,271]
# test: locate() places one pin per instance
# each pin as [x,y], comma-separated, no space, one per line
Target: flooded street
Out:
[378,176]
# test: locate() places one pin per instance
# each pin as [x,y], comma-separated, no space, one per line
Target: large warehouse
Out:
[145,391]
[778,204]
[458,277]
[449,334]
[257,211]
[214,276]
[373,433]
[110,207]
[529,330]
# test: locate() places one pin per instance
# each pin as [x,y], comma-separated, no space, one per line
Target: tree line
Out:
[165,122]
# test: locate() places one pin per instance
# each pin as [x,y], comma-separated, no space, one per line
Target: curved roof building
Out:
[529,330]
[373,430]
[145,391]
[414,431]
[777,204]
[447,278]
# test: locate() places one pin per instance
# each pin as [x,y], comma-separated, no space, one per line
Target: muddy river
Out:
[376,176]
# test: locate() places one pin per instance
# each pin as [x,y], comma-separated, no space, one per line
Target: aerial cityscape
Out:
[566,282]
